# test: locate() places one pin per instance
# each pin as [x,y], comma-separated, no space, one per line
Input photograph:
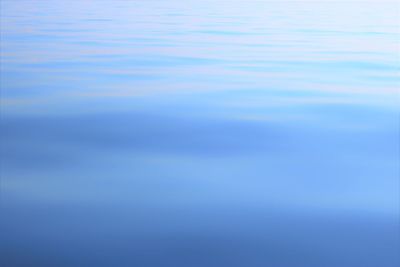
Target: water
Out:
[199,133]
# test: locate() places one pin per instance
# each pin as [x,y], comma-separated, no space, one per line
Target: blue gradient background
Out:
[199,133]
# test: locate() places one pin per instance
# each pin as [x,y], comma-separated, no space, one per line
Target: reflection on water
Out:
[200,133]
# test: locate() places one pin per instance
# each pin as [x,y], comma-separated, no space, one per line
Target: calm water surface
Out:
[199,134]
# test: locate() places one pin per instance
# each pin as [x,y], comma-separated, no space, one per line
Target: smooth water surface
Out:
[199,134]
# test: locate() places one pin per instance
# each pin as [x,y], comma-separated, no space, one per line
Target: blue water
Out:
[199,134]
